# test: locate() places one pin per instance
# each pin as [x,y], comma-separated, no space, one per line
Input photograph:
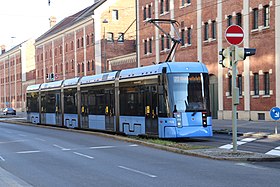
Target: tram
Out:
[167,100]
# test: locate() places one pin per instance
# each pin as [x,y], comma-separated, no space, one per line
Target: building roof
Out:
[71,20]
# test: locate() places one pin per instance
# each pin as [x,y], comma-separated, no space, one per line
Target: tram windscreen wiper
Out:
[194,113]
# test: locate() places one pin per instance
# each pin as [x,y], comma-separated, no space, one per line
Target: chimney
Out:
[52,20]
[3,49]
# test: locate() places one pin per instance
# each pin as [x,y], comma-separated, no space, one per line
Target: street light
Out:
[105,40]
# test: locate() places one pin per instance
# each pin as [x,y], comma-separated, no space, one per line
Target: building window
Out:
[189,36]
[183,2]
[161,6]
[145,47]
[151,45]
[266,16]
[150,11]
[239,84]
[121,37]
[162,42]
[183,37]
[256,84]
[72,64]
[87,39]
[82,42]
[66,67]
[239,19]
[78,43]
[66,47]
[229,20]
[55,52]
[167,5]
[167,42]
[266,84]
[144,13]
[110,37]
[60,49]
[92,65]
[115,15]
[206,34]
[214,29]
[88,66]
[78,68]
[83,67]
[255,18]
[72,45]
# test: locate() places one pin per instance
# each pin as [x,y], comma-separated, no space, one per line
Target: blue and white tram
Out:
[168,100]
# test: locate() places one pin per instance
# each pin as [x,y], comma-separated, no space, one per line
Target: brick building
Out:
[81,44]
[17,71]
[202,27]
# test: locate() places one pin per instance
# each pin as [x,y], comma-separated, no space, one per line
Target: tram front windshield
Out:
[187,92]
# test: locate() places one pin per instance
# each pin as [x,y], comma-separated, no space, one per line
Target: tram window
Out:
[131,102]
[70,104]
[96,104]
[162,108]
[32,102]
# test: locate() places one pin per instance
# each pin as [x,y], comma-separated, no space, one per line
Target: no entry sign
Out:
[234,35]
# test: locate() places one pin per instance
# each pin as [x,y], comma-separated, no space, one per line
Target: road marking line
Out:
[26,152]
[1,158]
[241,142]
[249,166]
[62,148]
[248,139]
[23,135]
[102,147]
[137,171]
[15,141]
[227,146]
[273,152]
[80,154]
[40,139]
[134,145]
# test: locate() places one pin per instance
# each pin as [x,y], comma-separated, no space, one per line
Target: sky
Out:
[25,19]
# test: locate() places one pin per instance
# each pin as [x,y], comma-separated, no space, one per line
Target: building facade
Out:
[81,44]
[202,25]
[17,71]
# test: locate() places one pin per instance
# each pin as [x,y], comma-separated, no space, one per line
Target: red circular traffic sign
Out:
[234,35]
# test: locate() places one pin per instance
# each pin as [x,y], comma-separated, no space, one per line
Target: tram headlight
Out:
[178,117]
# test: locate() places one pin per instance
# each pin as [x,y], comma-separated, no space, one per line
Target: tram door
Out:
[84,110]
[151,103]
[109,109]
[58,116]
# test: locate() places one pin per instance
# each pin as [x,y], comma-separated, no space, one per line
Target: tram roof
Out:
[98,78]
[185,67]
[172,67]
[33,87]
[49,85]
[71,82]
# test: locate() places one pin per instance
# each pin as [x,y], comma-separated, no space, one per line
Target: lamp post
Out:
[104,44]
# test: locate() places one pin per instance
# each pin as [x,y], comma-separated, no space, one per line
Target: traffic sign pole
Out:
[234,102]
[275,115]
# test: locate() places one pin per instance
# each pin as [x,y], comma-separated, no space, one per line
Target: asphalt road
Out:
[50,157]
